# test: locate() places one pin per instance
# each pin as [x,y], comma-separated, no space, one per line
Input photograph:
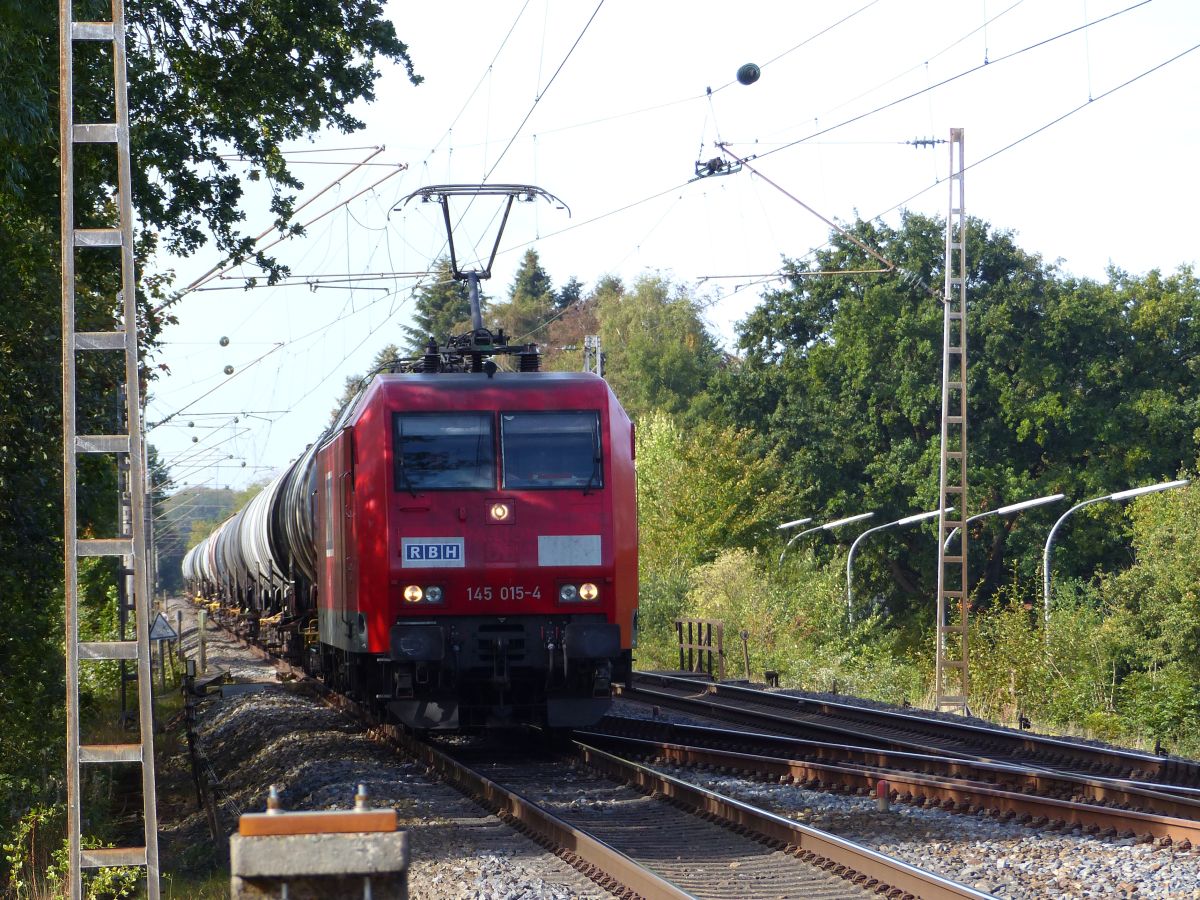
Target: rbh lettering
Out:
[433,552]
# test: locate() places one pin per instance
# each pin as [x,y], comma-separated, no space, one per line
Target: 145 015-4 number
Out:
[507,592]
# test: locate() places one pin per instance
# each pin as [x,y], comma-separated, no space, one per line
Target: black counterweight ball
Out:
[748,74]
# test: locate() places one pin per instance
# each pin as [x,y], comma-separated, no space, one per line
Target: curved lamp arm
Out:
[1005,511]
[837,523]
[907,520]
[1119,495]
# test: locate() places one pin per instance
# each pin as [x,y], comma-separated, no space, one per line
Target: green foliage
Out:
[1162,704]
[794,620]
[569,294]
[29,852]
[662,598]
[258,74]
[1155,612]
[36,861]
[531,302]
[441,309]
[173,531]
[563,347]
[1074,387]
[1159,595]
[208,79]
[701,491]
[660,356]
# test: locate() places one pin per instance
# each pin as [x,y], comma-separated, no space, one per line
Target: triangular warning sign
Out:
[161,630]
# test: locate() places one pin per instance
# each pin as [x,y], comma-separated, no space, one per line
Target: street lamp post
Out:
[828,526]
[907,520]
[1007,511]
[1118,496]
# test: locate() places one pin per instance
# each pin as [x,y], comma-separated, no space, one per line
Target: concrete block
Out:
[365,864]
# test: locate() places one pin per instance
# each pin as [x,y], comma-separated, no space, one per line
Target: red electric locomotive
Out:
[465,538]
[477,547]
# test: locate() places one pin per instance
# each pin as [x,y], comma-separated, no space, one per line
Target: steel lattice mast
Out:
[951,675]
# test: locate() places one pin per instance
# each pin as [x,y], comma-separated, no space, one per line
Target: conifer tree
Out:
[442,309]
[531,301]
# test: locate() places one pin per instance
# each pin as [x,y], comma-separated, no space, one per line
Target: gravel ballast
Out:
[1000,858]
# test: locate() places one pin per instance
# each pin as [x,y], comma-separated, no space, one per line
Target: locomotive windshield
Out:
[444,451]
[551,450]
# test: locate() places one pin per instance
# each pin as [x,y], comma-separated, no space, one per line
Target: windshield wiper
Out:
[596,460]
[404,479]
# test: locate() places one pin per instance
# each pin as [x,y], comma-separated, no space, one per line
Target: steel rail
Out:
[1055,751]
[856,859]
[1006,776]
[858,865]
[510,807]
[960,795]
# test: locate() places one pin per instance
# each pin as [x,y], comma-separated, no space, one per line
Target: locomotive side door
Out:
[340,625]
[348,546]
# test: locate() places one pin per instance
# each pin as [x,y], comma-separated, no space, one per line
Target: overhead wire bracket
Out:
[888,265]
[716,166]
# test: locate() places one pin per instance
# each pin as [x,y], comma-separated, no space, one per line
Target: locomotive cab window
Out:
[444,452]
[551,450]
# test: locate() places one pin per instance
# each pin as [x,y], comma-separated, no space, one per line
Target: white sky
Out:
[616,135]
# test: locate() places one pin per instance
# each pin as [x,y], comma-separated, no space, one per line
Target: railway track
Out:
[812,718]
[1032,796]
[646,834]
[658,836]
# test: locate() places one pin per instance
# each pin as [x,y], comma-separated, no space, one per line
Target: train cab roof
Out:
[444,391]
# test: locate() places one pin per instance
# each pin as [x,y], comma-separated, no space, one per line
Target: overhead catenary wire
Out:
[572,226]
[229,266]
[945,81]
[990,156]
[1036,131]
[542,93]
[805,42]
[354,168]
[857,118]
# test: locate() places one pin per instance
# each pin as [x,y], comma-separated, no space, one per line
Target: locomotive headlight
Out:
[500,512]
[433,594]
[413,593]
[568,592]
[588,591]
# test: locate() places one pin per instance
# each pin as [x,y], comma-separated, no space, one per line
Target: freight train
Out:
[459,547]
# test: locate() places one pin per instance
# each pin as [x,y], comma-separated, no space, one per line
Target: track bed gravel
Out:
[999,858]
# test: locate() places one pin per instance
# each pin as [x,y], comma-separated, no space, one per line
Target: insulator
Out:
[530,361]
[476,362]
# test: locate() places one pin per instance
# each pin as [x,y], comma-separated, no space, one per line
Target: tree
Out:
[701,491]
[1158,593]
[531,301]
[563,348]
[659,354]
[1074,387]
[174,528]
[569,294]
[442,309]
[208,79]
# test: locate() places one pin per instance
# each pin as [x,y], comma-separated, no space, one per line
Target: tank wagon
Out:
[460,547]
